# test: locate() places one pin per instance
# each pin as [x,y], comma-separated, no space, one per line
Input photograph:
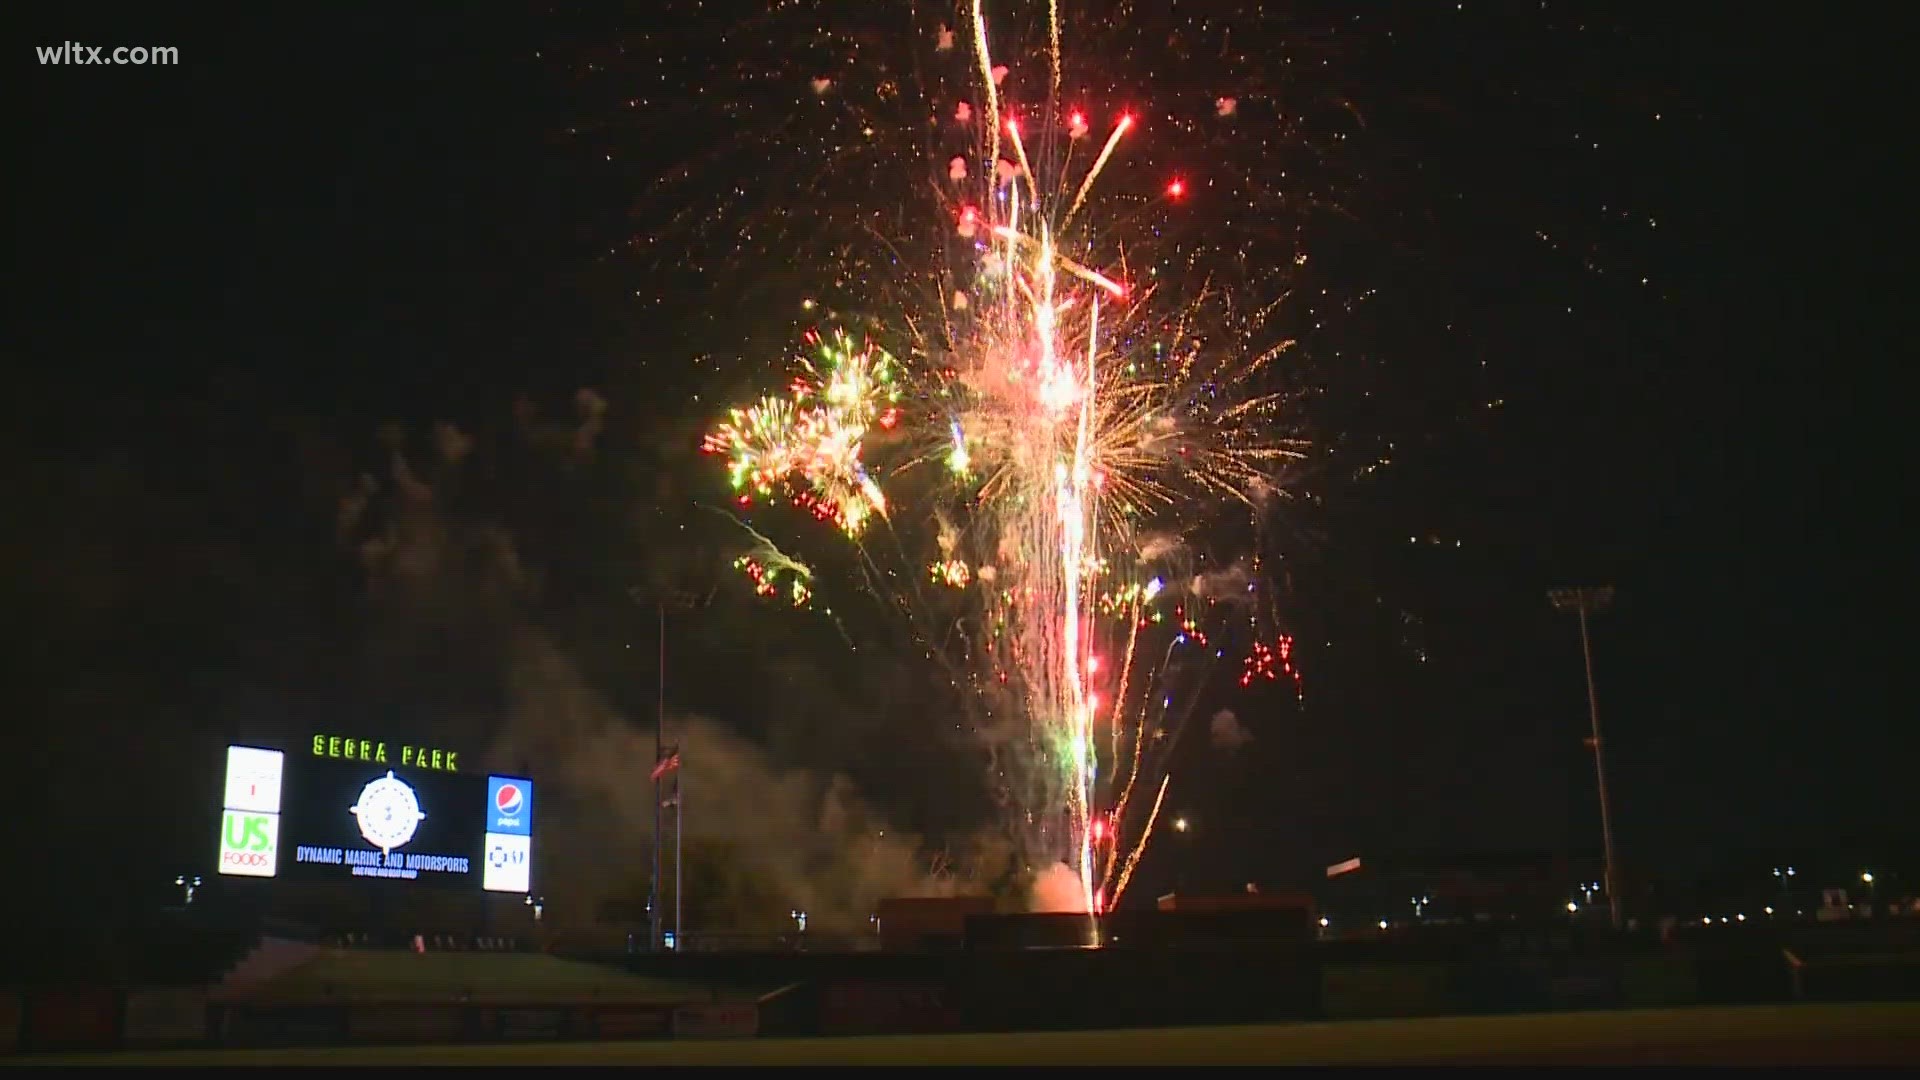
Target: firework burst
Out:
[810,442]
[1082,414]
[1061,426]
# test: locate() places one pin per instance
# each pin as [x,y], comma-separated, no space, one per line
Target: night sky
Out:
[232,273]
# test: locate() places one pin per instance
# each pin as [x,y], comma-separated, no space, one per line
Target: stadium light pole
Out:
[1584,602]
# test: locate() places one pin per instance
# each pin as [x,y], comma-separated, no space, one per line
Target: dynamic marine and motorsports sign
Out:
[356,810]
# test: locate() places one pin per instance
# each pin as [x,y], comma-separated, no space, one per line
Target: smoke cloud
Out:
[1223,585]
[1228,732]
[452,592]
[1057,889]
[760,842]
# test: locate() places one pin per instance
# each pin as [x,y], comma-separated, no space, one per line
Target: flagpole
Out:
[681,601]
[659,738]
[679,827]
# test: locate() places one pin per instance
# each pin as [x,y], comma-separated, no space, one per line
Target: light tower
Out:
[1583,602]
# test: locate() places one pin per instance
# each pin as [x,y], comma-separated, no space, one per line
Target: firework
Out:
[811,441]
[1081,410]
[821,160]
[1063,425]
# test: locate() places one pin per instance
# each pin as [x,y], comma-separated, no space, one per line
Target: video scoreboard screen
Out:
[364,814]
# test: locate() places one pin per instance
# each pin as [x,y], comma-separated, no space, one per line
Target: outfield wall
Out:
[861,994]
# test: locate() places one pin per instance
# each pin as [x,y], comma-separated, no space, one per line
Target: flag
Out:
[666,765]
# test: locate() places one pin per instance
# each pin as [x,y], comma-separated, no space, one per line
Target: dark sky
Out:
[231,272]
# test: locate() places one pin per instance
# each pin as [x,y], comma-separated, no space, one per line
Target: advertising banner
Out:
[253,779]
[249,843]
[250,824]
[509,839]
[510,805]
[353,820]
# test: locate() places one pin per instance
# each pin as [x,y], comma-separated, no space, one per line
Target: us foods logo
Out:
[249,843]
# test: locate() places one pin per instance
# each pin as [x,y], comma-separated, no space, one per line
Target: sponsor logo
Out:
[508,799]
[509,805]
[509,863]
[249,844]
[388,812]
[253,779]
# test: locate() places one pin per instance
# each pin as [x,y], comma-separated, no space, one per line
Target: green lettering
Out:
[406,755]
[451,767]
[436,759]
[366,750]
[380,752]
[246,832]
[319,746]
[333,746]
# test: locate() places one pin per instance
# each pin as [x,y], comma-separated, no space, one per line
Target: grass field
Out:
[365,977]
[1771,1035]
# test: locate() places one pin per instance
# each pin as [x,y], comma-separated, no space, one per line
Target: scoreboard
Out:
[349,810]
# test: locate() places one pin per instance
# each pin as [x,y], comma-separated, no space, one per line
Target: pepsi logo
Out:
[509,800]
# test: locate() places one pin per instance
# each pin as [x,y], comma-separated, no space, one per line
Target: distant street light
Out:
[1784,874]
[1584,602]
